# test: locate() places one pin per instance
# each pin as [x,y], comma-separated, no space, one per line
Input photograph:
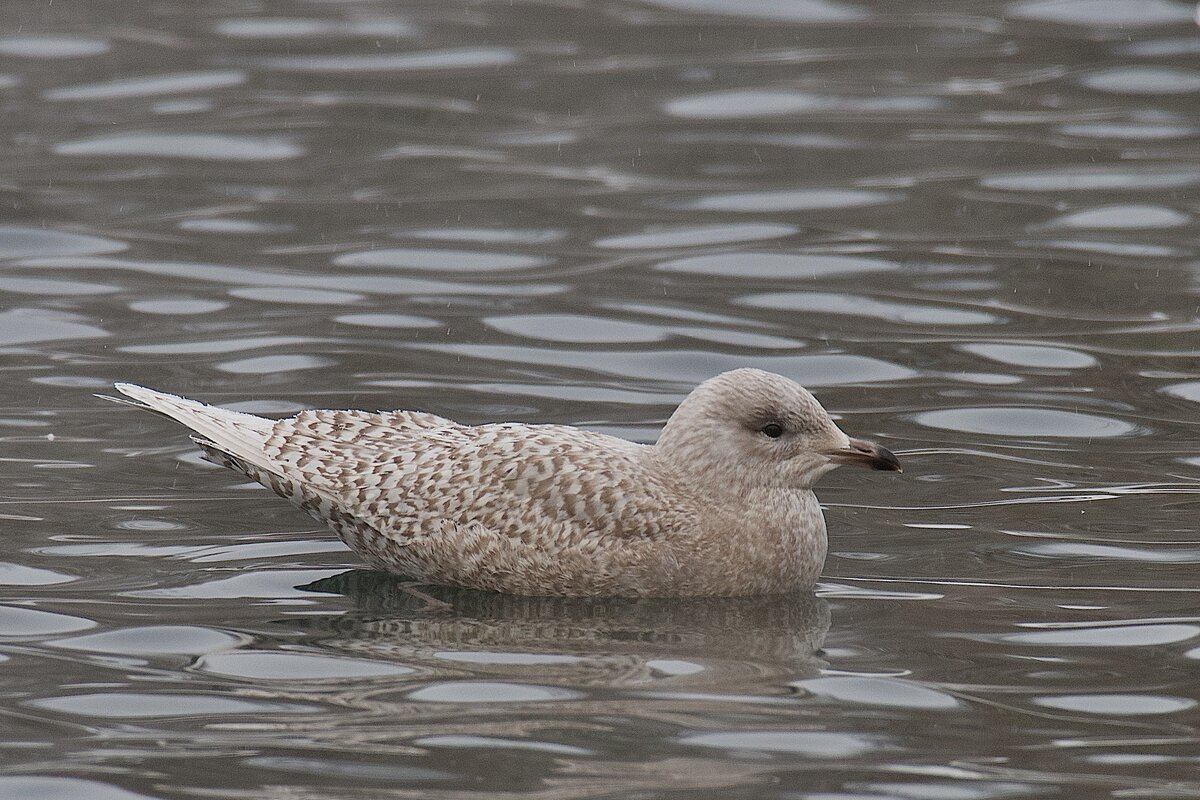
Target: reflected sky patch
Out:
[789,200]
[197,146]
[751,103]
[858,306]
[150,85]
[1101,13]
[801,266]
[1014,421]
[450,58]
[782,10]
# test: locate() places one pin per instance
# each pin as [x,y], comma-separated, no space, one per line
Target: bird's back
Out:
[403,468]
[532,509]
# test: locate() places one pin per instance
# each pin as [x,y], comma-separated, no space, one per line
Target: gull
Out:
[721,505]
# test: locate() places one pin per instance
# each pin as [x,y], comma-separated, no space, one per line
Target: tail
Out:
[242,435]
[241,442]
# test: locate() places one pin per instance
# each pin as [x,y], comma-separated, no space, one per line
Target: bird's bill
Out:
[860,453]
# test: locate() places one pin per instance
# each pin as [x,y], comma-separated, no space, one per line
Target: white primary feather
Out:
[243,435]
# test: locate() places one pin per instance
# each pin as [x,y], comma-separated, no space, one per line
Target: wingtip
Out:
[128,389]
[134,395]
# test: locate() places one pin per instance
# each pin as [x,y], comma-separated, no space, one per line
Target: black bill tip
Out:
[862,453]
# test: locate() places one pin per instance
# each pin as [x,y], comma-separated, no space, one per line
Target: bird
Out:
[721,505]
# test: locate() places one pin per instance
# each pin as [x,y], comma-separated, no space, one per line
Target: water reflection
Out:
[201,146]
[569,642]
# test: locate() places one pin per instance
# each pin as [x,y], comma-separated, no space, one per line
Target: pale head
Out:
[749,428]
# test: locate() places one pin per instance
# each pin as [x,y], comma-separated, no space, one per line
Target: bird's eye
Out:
[772,429]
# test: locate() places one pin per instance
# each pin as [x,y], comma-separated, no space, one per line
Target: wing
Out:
[517,508]
[410,475]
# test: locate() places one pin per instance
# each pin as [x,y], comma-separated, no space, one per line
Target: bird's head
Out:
[753,428]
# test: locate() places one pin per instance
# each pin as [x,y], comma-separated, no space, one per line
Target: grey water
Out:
[970,228]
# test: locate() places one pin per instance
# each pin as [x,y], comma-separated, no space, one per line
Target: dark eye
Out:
[772,429]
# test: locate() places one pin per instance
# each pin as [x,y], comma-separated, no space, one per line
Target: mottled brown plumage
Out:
[721,505]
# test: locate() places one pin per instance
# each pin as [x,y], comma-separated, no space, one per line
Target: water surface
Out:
[970,228]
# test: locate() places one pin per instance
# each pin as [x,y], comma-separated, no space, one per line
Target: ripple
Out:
[235,226]
[152,640]
[171,307]
[513,659]
[281,294]
[956,788]
[191,105]
[789,200]
[355,771]
[1108,636]
[588,393]
[1034,356]
[47,787]
[335,281]
[30,325]
[21,575]
[696,235]
[386,321]
[1189,390]
[757,341]
[490,692]
[491,743]
[1010,421]
[449,58]
[286,666]
[691,367]
[272,549]
[147,86]
[1123,217]
[53,46]
[149,525]
[53,287]
[1101,13]
[858,306]
[881,692]
[1087,180]
[199,146]
[215,346]
[1116,704]
[576,328]
[777,265]
[1135,249]
[73,381]
[115,549]
[20,241]
[19,622]
[488,235]
[308,27]
[1144,80]
[440,260]
[266,365]
[1129,130]
[751,103]
[784,10]
[134,705]
[814,744]
[1170,46]
[1111,552]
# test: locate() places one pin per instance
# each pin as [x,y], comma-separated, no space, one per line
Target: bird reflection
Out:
[575,641]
